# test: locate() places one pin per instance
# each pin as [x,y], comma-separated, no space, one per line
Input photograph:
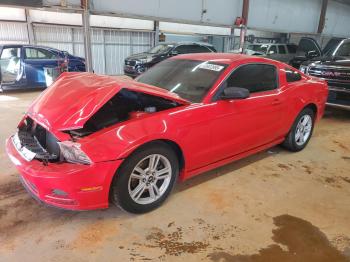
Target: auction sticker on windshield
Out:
[212,67]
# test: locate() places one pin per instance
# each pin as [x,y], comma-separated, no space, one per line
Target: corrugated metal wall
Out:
[109,46]
[12,32]
[61,37]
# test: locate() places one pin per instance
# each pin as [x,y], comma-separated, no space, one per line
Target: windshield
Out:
[331,46]
[189,79]
[158,49]
[343,49]
[258,48]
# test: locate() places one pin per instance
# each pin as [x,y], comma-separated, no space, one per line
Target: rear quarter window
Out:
[292,76]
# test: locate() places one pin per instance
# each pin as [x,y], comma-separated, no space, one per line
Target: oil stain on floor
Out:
[303,242]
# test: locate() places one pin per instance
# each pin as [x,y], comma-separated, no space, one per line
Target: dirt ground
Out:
[273,206]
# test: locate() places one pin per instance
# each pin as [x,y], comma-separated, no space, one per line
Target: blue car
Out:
[28,66]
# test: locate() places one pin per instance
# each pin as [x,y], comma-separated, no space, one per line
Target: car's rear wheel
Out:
[301,131]
[146,178]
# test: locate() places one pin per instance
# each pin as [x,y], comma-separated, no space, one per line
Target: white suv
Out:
[280,52]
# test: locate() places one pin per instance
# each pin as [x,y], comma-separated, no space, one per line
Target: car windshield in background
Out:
[160,49]
[258,48]
[344,49]
[189,79]
[332,44]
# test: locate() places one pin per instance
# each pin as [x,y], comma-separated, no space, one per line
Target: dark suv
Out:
[138,63]
[334,67]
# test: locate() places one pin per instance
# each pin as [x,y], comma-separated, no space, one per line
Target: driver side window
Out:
[254,77]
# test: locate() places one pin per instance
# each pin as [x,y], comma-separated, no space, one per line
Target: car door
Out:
[37,61]
[307,48]
[307,45]
[282,54]
[11,67]
[238,126]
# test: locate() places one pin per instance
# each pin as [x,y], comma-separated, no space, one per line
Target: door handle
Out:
[276,102]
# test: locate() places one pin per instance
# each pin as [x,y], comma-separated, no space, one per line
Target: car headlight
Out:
[303,69]
[72,153]
[146,60]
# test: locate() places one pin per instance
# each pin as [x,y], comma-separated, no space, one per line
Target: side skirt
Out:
[187,175]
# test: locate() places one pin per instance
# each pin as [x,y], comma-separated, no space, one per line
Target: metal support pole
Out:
[230,43]
[156,33]
[87,40]
[242,38]
[245,11]
[321,22]
[30,29]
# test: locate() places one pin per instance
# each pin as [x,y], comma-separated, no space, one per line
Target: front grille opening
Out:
[38,140]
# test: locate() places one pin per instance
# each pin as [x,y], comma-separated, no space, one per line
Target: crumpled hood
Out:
[74,97]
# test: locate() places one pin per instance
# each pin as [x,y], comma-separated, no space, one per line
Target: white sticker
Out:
[23,151]
[212,67]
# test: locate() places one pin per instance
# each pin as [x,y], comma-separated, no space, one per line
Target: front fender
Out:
[120,141]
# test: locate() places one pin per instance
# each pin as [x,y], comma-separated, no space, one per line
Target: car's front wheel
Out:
[146,178]
[301,131]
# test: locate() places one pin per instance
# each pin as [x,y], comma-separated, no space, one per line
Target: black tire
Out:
[120,195]
[290,142]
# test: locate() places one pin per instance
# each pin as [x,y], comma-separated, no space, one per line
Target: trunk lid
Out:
[75,97]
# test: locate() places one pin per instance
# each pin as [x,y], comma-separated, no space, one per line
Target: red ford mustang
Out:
[88,140]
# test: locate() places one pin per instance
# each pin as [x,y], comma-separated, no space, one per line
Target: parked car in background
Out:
[128,142]
[28,66]
[279,52]
[139,63]
[334,67]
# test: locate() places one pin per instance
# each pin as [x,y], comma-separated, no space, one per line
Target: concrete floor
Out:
[273,206]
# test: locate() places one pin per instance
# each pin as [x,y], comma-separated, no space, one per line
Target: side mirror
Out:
[311,54]
[234,93]
[271,52]
[173,53]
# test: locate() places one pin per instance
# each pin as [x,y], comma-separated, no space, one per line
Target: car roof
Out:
[271,44]
[27,45]
[185,43]
[224,58]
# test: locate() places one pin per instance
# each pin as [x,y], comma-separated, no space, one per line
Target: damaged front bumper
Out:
[65,185]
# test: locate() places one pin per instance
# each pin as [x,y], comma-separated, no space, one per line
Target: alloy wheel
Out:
[303,130]
[149,179]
